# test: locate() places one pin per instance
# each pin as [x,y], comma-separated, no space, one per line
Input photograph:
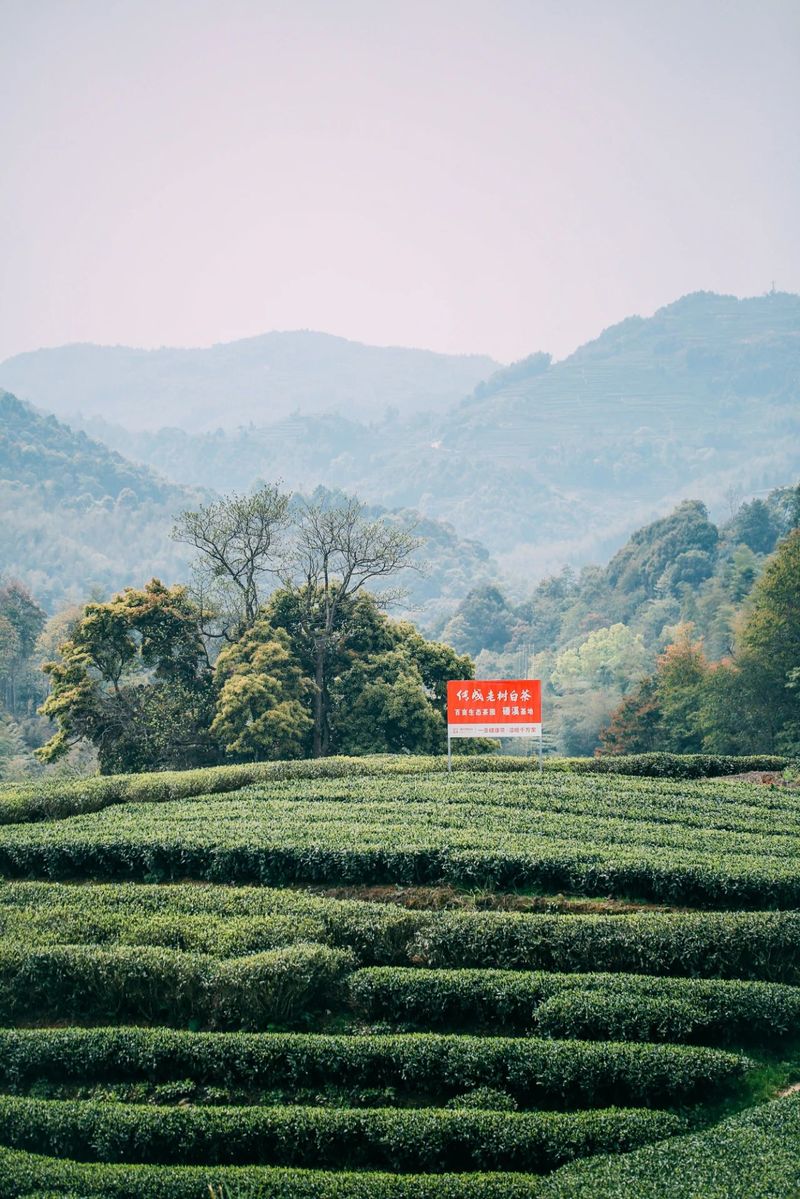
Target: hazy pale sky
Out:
[495,176]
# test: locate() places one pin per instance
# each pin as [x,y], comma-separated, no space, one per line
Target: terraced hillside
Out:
[396,984]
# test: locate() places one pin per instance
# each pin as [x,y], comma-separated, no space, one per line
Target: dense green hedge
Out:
[221,920]
[426,1140]
[32,1176]
[87,983]
[254,839]
[543,1073]
[747,945]
[678,766]
[755,1155]
[619,1007]
[48,800]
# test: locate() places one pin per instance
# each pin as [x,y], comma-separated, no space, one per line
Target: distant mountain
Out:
[547,462]
[75,517]
[258,380]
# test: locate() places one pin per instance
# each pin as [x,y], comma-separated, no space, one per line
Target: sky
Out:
[482,177]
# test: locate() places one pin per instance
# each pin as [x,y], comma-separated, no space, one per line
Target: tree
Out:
[755,526]
[635,726]
[609,657]
[338,551]
[263,697]
[134,680]
[769,645]
[483,620]
[21,621]
[239,539]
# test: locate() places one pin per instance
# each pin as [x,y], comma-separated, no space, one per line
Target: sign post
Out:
[493,708]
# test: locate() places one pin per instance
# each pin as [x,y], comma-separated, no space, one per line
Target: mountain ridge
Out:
[264,377]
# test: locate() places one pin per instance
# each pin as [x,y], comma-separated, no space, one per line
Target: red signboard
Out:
[494,708]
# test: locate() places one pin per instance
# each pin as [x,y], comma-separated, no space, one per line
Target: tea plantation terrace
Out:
[200,995]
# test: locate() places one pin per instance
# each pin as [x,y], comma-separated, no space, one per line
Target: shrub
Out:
[430,1140]
[546,1073]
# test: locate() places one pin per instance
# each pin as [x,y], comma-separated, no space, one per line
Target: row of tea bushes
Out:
[540,1073]
[424,1140]
[621,1007]
[246,839]
[53,800]
[228,921]
[88,984]
[755,1155]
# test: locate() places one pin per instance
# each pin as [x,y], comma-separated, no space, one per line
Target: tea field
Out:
[366,979]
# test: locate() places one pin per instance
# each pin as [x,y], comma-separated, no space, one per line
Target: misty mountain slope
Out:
[257,379]
[75,517]
[548,462]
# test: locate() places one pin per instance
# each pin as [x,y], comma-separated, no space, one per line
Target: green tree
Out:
[609,657]
[134,680]
[769,645]
[755,526]
[386,684]
[19,613]
[263,701]
[483,620]
[338,551]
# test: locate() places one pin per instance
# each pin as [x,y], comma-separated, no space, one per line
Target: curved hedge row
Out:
[86,983]
[427,1140]
[27,802]
[755,1155]
[33,1176]
[543,1073]
[747,945]
[591,1006]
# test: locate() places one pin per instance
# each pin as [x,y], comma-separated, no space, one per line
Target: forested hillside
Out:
[77,517]
[597,634]
[544,462]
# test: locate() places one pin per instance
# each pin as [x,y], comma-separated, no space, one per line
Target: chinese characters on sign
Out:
[494,708]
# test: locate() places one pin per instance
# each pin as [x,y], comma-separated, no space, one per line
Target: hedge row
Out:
[205,934]
[33,1176]
[746,945]
[50,800]
[755,1155]
[543,1073]
[620,1007]
[85,983]
[657,874]
[428,1140]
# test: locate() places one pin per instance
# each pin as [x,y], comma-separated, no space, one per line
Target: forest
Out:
[280,643]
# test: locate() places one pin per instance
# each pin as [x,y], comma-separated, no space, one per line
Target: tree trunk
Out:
[319,697]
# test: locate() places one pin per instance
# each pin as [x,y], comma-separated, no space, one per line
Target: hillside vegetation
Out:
[544,461]
[206,1036]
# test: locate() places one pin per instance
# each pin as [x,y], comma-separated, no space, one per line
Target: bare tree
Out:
[239,540]
[338,550]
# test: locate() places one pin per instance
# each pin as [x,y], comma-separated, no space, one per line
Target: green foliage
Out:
[725,945]
[599,837]
[133,679]
[432,1139]
[166,986]
[754,1154]
[260,711]
[622,1007]
[538,1073]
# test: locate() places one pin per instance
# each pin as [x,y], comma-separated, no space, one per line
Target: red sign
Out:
[494,708]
